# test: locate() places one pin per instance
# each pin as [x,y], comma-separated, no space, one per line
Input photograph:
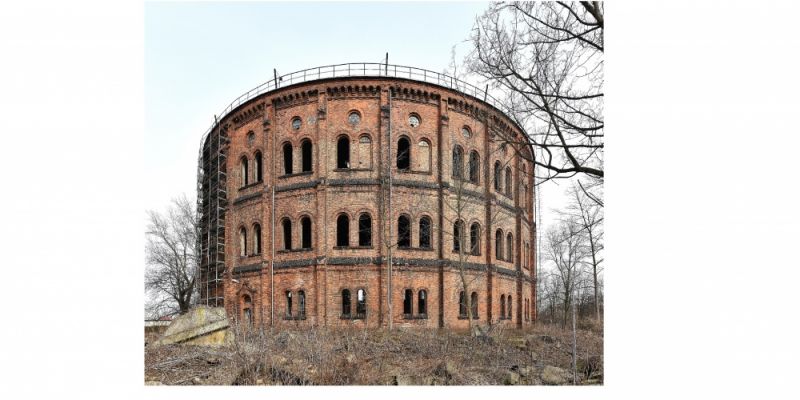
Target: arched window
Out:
[364,230]
[497,184]
[462,305]
[307,157]
[498,244]
[422,302]
[502,306]
[403,154]
[361,303]
[343,152]
[287,158]
[346,302]
[458,162]
[403,232]
[259,167]
[247,309]
[287,233]
[305,227]
[365,152]
[245,171]
[425,233]
[458,235]
[242,242]
[288,303]
[509,182]
[408,301]
[301,304]
[424,156]
[474,167]
[475,239]
[509,307]
[256,239]
[510,248]
[474,300]
[343,231]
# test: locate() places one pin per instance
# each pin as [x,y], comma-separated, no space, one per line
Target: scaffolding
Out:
[212,200]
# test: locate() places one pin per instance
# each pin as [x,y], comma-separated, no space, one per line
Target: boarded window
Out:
[256,239]
[365,152]
[242,242]
[245,171]
[474,301]
[424,156]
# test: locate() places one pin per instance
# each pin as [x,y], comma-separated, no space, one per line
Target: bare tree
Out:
[546,61]
[172,258]
[589,214]
[566,248]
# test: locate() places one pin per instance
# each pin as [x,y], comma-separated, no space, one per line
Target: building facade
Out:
[367,200]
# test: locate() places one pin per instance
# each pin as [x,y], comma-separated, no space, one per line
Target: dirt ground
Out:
[536,356]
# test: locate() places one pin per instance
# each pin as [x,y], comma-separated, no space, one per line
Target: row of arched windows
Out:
[499,182]
[306,157]
[462,305]
[246,175]
[504,253]
[305,233]
[408,304]
[528,314]
[505,306]
[361,304]
[295,311]
[245,245]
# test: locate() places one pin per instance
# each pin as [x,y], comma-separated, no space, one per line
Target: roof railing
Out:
[356,70]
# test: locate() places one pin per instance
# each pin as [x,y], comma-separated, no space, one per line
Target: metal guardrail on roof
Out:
[356,70]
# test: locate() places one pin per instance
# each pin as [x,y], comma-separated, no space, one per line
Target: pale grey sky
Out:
[200,56]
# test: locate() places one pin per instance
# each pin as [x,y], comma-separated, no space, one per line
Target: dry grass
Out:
[320,356]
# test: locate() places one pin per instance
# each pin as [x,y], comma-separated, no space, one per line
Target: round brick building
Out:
[367,195]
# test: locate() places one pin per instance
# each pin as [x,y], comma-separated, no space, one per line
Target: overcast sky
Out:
[200,56]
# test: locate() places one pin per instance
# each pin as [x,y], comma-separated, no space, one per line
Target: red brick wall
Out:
[324,270]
